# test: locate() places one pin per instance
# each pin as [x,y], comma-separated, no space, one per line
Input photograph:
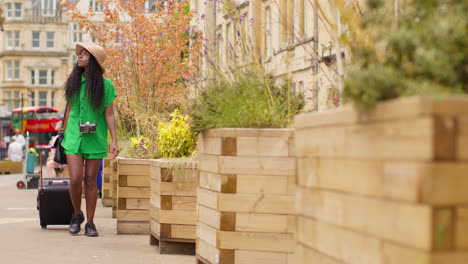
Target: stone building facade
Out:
[294,39]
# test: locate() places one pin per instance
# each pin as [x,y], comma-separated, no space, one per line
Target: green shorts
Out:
[88,155]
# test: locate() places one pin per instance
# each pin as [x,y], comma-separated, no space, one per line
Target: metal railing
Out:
[43,16]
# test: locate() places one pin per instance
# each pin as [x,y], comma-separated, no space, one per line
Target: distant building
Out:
[34,54]
[292,39]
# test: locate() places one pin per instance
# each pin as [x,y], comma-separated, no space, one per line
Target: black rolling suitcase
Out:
[53,201]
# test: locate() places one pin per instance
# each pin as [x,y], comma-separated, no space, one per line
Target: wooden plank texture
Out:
[133,192]
[133,228]
[406,139]
[133,215]
[257,166]
[256,241]
[379,218]
[250,203]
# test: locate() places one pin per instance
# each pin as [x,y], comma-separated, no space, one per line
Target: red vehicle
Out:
[38,121]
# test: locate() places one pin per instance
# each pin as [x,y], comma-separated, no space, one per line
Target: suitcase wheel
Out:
[20,185]
[43,226]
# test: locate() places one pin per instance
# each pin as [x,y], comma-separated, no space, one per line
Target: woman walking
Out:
[89,115]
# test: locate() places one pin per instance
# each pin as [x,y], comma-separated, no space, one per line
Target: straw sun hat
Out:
[97,51]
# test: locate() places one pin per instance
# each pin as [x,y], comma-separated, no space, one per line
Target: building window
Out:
[14,10]
[9,70]
[8,101]
[299,18]
[12,39]
[36,39]
[95,6]
[12,70]
[42,76]
[49,7]
[42,98]
[52,99]
[50,40]
[16,75]
[33,77]
[17,99]
[9,10]
[286,21]
[32,101]
[77,33]
[150,6]
[268,33]
[18,11]
[52,77]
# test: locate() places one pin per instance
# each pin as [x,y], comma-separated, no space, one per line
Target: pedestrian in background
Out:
[89,115]
[15,150]
[19,138]
[53,167]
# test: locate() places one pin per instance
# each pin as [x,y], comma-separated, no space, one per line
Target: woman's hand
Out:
[115,150]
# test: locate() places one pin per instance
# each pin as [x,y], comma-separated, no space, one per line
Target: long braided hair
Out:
[94,83]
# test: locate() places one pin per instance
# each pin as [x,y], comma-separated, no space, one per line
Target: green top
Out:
[81,112]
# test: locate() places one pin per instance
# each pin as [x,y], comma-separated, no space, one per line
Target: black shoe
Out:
[90,230]
[75,223]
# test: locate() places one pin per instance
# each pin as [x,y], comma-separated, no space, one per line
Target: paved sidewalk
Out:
[22,241]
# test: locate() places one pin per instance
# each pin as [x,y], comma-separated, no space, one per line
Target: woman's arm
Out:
[110,120]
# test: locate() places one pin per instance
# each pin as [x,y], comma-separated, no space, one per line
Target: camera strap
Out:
[79,110]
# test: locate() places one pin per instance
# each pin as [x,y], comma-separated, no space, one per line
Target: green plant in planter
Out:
[142,148]
[245,100]
[176,139]
[423,50]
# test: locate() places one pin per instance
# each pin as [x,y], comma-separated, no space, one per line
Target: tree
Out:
[147,50]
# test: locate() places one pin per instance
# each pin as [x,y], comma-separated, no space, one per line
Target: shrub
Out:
[142,148]
[247,100]
[421,51]
[176,139]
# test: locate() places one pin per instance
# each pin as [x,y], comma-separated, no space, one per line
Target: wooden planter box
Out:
[173,206]
[9,167]
[133,193]
[246,196]
[107,181]
[385,187]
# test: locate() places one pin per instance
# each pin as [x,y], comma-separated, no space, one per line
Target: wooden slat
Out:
[133,228]
[263,146]
[176,217]
[137,204]
[256,241]
[342,244]
[209,217]
[246,222]
[133,215]
[379,218]
[175,188]
[134,181]
[257,257]
[397,109]
[134,169]
[257,166]
[396,140]
[250,203]
[133,192]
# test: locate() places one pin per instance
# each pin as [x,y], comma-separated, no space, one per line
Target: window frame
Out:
[43,101]
[49,7]
[48,40]
[42,80]
[38,40]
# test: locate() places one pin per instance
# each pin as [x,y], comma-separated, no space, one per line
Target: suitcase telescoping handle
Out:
[40,165]
[58,183]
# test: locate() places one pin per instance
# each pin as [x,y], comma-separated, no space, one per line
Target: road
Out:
[22,241]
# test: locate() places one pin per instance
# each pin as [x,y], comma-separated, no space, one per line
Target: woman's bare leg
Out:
[75,168]
[91,171]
